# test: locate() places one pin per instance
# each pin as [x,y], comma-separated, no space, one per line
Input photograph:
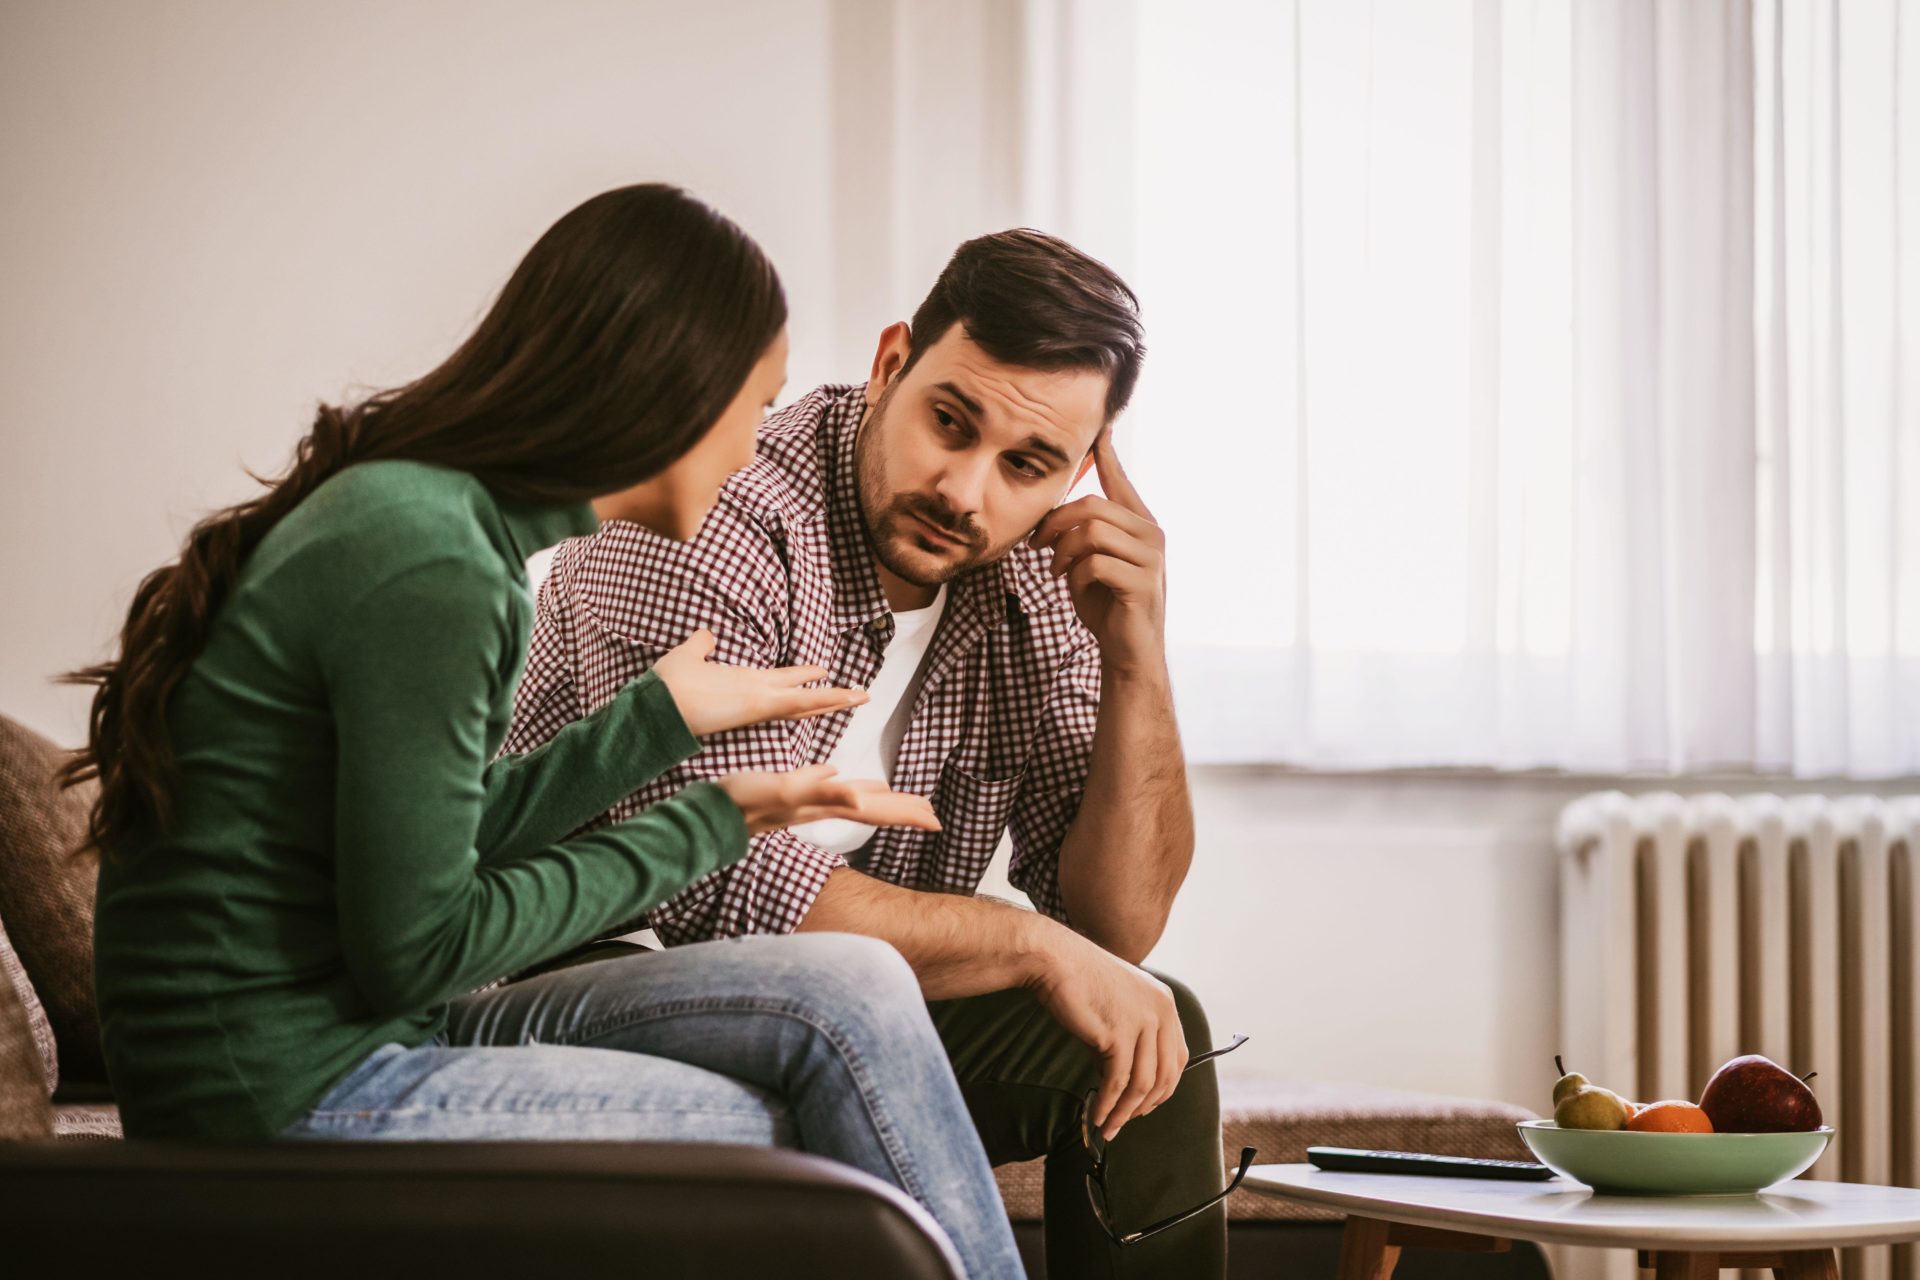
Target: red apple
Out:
[1752,1094]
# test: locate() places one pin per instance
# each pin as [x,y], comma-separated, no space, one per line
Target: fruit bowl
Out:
[1673,1164]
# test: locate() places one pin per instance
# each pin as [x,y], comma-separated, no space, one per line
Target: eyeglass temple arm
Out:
[1246,1162]
[1211,1054]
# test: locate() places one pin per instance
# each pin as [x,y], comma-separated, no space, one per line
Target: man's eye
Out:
[1026,468]
[945,419]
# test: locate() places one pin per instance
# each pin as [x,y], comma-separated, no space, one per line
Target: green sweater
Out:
[344,858]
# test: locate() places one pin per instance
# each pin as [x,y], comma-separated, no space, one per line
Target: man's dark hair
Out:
[1030,299]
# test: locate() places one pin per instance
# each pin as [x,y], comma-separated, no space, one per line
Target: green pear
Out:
[1567,1083]
[1589,1107]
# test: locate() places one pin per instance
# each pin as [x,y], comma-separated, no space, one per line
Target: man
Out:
[907,537]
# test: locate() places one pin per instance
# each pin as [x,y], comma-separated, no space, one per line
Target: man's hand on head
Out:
[1127,851]
[1113,556]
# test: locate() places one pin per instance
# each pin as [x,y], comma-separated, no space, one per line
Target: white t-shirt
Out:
[871,742]
[537,566]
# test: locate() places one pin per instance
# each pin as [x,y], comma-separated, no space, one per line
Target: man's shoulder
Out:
[641,585]
[787,480]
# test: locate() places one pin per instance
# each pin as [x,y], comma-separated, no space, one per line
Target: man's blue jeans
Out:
[815,1041]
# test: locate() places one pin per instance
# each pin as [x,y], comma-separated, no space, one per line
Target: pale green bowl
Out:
[1673,1164]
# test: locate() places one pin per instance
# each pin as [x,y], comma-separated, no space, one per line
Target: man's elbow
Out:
[1128,925]
[1132,938]
[1134,949]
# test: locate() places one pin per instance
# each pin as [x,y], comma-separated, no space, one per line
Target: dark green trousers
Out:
[1025,1077]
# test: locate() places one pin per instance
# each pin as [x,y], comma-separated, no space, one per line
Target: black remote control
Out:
[1352,1160]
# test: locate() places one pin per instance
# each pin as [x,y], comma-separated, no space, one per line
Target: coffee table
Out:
[1792,1228]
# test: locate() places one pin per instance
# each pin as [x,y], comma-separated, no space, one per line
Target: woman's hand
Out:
[770,801]
[713,696]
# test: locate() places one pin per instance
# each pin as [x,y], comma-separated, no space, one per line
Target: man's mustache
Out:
[941,517]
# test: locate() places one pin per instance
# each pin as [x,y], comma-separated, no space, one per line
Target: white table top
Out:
[1801,1214]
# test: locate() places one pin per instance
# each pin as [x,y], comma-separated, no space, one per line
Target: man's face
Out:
[962,456]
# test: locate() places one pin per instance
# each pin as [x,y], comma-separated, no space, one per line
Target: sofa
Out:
[75,1195]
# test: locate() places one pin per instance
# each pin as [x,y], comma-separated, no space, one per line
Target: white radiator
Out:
[1697,928]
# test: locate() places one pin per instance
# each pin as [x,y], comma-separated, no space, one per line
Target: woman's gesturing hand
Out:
[713,696]
[770,801]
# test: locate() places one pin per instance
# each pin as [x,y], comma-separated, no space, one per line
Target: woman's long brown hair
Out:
[618,341]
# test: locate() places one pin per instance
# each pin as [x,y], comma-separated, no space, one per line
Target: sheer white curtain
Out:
[1837,290]
[1532,384]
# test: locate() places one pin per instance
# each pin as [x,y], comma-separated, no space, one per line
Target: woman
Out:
[311,861]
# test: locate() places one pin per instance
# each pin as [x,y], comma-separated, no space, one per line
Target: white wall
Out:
[217,213]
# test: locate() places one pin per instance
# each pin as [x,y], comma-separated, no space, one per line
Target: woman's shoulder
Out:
[400,506]
[378,520]
[401,484]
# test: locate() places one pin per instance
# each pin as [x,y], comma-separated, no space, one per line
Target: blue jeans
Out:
[815,1041]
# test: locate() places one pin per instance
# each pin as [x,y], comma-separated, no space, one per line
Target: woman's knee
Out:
[850,977]
[855,963]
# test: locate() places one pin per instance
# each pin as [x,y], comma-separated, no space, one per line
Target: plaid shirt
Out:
[782,573]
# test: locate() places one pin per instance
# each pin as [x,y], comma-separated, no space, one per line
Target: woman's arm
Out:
[532,800]
[413,675]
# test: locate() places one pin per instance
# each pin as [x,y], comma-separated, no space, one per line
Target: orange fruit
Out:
[1672,1116]
[1632,1109]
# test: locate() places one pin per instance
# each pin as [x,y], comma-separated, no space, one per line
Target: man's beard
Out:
[889,517]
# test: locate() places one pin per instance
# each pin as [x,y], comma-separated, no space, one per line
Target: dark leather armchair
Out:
[348,1211]
[94,1205]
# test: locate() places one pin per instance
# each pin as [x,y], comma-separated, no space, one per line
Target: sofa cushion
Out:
[86,1122]
[14,974]
[1282,1118]
[46,892]
[24,1109]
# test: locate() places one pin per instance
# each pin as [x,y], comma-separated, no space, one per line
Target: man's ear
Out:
[1086,463]
[896,344]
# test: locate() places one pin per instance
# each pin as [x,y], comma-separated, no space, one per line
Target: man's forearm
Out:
[1128,850]
[957,946]
[969,946]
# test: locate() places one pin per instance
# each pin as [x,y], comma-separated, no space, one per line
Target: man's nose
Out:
[963,484]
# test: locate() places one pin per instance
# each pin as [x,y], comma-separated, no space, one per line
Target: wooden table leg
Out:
[1802,1264]
[1364,1251]
[1808,1264]
[1672,1264]
[1410,1237]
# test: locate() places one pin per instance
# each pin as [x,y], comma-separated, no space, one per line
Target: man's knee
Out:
[1193,1015]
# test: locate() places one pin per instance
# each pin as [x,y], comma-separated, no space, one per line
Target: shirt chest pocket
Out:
[973,815]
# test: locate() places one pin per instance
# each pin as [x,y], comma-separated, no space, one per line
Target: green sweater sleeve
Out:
[414,672]
[582,771]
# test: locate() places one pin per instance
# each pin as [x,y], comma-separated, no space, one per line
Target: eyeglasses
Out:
[1096,1143]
